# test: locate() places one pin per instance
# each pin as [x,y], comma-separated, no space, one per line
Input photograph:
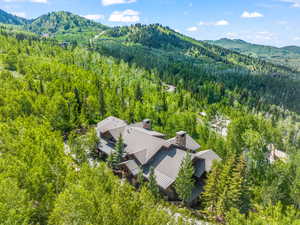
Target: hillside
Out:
[52,96]
[165,40]
[288,56]
[51,173]
[62,22]
[65,26]
[8,18]
[181,60]
[295,49]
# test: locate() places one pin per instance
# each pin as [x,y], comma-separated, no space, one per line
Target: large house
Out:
[145,149]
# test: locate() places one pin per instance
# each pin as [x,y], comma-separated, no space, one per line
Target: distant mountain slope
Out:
[163,42]
[186,62]
[288,56]
[295,49]
[7,18]
[178,59]
[62,22]
[65,26]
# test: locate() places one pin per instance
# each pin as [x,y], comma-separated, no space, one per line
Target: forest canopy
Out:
[52,95]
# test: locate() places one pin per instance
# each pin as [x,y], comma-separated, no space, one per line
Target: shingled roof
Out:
[167,163]
[209,156]
[132,166]
[191,144]
[141,143]
[109,124]
[151,150]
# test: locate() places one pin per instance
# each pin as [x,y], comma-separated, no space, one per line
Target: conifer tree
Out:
[209,197]
[140,178]
[119,150]
[237,194]
[184,183]
[116,157]
[152,184]
[224,188]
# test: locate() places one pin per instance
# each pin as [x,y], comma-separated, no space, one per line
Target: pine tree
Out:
[209,197]
[152,184]
[184,183]
[225,189]
[111,161]
[116,157]
[119,150]
[237,184]
[140,178]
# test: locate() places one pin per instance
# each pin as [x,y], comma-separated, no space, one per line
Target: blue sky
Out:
[273,22]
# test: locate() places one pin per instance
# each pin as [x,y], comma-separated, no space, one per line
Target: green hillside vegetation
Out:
[61,23]
[52,95]
[288,56]
[162,38]
[295,49]
[7,18]
[59,93]
[183,61]
[65,26]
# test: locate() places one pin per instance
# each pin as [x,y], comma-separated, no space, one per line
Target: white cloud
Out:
[294,3]
[296,38]
[247,14]
[222,23]
[33,1]
[127,16]
[94,17]
[217,23]
[115,2]
[192,29]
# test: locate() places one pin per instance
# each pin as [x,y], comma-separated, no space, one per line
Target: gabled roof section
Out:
[150,132]
[141,143]
[209,156]
[110,123]
[191,144]
[132,167]
[116,132]
[139,126]
[162,179]
[167,164]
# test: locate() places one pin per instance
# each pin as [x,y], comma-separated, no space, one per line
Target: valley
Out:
[62,74]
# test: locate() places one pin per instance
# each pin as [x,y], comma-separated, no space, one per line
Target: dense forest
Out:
[52,95]
[289,55]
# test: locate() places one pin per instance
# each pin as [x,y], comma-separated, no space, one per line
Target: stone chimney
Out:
[147,124]
[181,138]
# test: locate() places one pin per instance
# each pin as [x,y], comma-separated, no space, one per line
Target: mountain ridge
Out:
[175,57]
[8,18]
[62,21]
[288,55]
